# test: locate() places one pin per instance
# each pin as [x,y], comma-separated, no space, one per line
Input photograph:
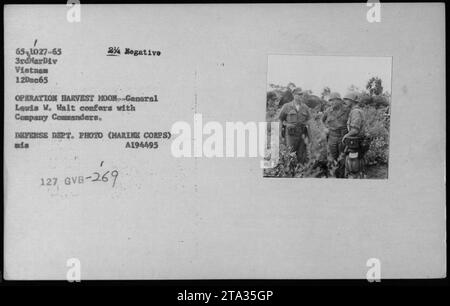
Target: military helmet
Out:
[297,91]
[353,96]
[334,95]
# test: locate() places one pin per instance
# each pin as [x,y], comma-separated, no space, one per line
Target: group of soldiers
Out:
[343,118]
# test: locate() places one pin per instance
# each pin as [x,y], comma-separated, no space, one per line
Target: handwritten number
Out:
[98,177]
[104,177]
[114,174]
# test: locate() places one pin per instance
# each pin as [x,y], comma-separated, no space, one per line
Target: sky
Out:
[336,72]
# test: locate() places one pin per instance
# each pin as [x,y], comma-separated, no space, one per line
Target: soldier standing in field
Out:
[295,116]
[356,120]
[335,120]
[356,131]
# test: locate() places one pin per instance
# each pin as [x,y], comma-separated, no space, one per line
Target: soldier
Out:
[356,120]
[295,116]
[287,95]
[356,130]
[335,120]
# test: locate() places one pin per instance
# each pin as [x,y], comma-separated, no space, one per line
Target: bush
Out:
[288,166]
[377,128]
[314,102]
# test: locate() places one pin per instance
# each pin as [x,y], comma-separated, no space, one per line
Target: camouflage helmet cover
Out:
[353,96]
[334,95]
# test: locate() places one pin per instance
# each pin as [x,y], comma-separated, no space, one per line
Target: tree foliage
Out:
[374,86]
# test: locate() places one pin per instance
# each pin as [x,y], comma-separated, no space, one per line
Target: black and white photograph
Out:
[334,115]
[215,144]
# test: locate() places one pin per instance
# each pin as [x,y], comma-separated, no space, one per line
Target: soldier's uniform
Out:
[356,121]
[335,119]
[296,129]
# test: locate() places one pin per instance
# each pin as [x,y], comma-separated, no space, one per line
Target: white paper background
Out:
[219,218]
